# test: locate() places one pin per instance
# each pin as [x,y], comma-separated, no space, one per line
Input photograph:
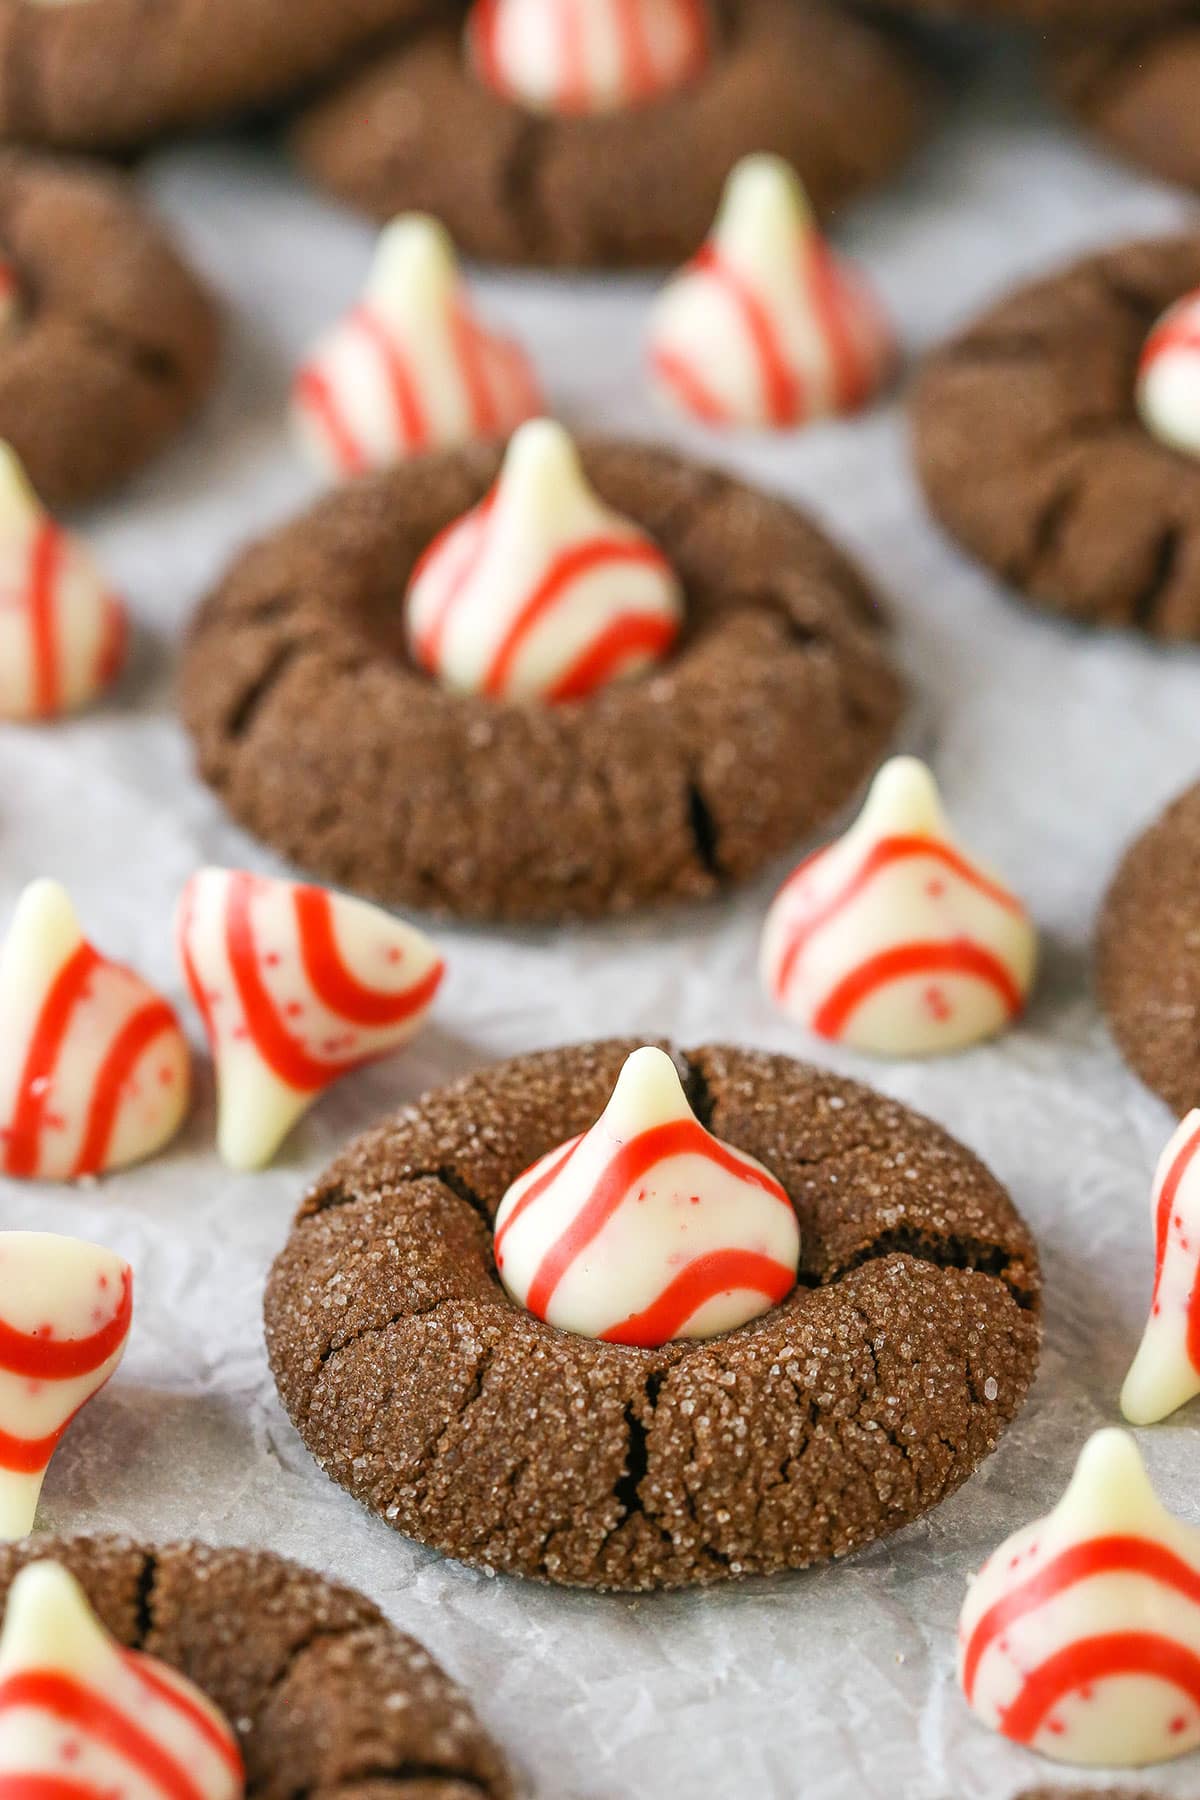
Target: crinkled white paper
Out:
[1053,747]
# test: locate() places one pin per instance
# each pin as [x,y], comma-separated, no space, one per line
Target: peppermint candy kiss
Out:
[65,1312]
[588,56]
[94,1067]
[1166,1371]
[767,328]
[542,591]
[892,940]
[83,1719]
[410,369]
[297,986]
[1168,387]
[62,633]
[647,1227]
[1080,1637]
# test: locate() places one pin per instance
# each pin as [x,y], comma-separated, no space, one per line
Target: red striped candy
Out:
[410,369]
[766,328]
[94,1068]
[1166,1372]
[892,940]
[65,1312]
[297,986]
[647,1227]
[1168,388]
[1081,1635]
[589,56]
[83,1719]
[62,632]
[541,591]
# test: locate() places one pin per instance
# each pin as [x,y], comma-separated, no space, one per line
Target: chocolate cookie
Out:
[1149,955]
[108,342]
[112,74]
[1137,87]
[870,1394]
[801,78]
[322,737]
[1031,450]
[326,1698]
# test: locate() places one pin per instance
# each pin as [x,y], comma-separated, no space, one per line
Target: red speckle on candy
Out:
[694,1200]
[102,1283]
[394,954]
[937,1004]
[1156,1309]
[70,1750]
[166,1077]
[1178,1724]
[935,888]
[272,959]
[1057,1727]
[240,1034]
[293,1009]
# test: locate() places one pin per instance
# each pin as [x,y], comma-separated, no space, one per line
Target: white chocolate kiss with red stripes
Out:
[647,1227]
[766,328]
[1166,1370]
[1168,386]
[94,1067]
[892,940]
[81,1718]
[62,632]
[410,369]
[541,591]
[588,56]
[296,986]
[65,1312]
[1080,1637]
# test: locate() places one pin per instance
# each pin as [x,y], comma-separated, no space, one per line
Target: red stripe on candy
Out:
[628,638]
[1181,334]
[535,1190]
[121,1059]
[906,960]
[1117,1555]
[572,566]
[485,30]
[632,1162]
[883,855]
[638,66]
[39,1358]
[114,643]
[824,280]
[316,395]
[16,1786]
[677,373]
[429,645]
[79,1708]
[197,1716]
[336,984]
[20,1146]
[279,1050]
[718,1272]
[1096,1659]
[782,389]
[29,1456]
[410,414]
[45,563]
[471,355]
[1176,1175]
[573,92]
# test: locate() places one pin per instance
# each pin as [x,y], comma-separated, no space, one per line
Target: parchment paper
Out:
[1053,748]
